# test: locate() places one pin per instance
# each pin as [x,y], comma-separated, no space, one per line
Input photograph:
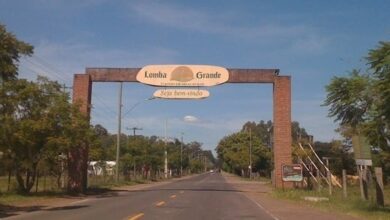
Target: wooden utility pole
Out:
[250,153]
[181,155]
[134,130]
[165,152]
[118,137]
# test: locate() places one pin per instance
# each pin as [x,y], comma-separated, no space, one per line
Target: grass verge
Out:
[96,186]
[352,205]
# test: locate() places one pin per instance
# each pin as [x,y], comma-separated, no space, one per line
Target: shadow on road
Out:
[8,210]
[197,190]
[70,207]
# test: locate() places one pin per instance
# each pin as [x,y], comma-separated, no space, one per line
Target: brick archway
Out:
[82,89]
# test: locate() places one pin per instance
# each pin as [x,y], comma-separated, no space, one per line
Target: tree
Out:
[11,50]
[340,153]
[349,98]
[360,102]
[233,150]
[379,61]
[34,116]
[38,124]
[262,129]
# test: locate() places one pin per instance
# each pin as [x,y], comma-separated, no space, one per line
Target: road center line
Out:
[80,201]
[181,192]
[135,217]
[160,204]
[173,196]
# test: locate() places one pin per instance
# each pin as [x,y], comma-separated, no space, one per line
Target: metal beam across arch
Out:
[82,90]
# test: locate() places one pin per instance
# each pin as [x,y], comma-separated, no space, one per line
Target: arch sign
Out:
[182,76]
[183,82]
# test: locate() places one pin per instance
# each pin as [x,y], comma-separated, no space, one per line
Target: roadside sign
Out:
[363,162]
[292,173]
[361,147]
[183,75]
[181,94]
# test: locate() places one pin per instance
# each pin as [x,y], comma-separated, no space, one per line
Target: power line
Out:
[101,114]
[103,103]
[47,64]
[44,69]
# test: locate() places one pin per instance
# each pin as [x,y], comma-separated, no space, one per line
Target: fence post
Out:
[365,183]
[318,180]
[37,181]
[329,175]
[344,183]
[380,199]
[9,180]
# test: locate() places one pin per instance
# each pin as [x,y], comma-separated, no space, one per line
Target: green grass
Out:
[45,184]
[352,205]
[257,179]
[100,182]
[13,198]
[48,188]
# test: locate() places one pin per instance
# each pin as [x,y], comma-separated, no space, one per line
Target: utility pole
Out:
[134,129]
[250,153]
[181,155]
[205,164]
[118,138]
[165,152]
[64,87]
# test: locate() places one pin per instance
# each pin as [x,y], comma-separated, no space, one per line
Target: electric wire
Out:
[44,69]
[39,67]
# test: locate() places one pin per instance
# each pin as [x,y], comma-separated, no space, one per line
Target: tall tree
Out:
[11,50]
[233,150]
[360,102]
[37,122]
[349,98]
[379,61]
[379,126]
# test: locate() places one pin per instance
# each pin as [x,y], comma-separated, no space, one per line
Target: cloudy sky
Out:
[310,40]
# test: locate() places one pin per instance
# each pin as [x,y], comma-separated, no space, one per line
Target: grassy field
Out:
[45,184]
[352,205]
[48,188]
[49,183]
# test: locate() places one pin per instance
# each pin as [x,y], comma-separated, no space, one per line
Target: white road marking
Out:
[262,207]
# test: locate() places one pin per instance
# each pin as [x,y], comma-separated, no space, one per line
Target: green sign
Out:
[361,147]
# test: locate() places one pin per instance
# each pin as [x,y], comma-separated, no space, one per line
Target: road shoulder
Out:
[37,203]
[259,193]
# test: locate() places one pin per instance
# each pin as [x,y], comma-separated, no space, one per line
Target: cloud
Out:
[310,43]
[297,36]
[190,118]
[192,19]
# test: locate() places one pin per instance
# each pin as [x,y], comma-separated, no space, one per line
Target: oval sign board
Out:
[182,75]
[181,94]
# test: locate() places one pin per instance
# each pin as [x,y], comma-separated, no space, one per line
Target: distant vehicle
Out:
[211,171]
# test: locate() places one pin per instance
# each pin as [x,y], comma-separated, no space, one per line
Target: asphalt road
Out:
[206,196]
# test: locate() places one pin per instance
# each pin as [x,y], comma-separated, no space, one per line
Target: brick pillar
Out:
[78,155]
[82,88]
[282,127]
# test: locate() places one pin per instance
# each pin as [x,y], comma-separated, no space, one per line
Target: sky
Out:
[312,41]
